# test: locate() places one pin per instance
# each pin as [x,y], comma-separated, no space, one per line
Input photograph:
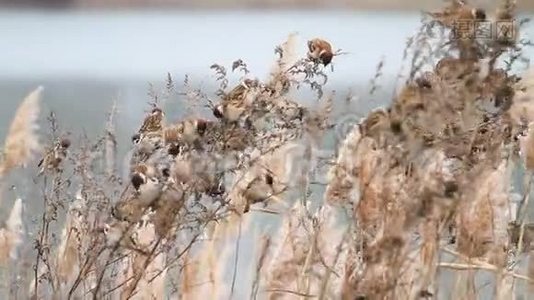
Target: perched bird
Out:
[194,129]
[375,123]
[255,185]
[260,190]
[123,234]
[279,85]
[153,122]
[188,132]
[498,86]
[235,103]
[53,157]
[167,208]
[147,189]
[458,11]
[146,183]
[114,232]
[450,68]
[237,139]
[320,51]
[172,139]
[145,145]
[427,81]
[172,134]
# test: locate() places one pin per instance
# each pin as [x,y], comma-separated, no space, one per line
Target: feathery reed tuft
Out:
[22,141]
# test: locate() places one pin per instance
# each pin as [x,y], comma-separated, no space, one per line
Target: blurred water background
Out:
[87,59]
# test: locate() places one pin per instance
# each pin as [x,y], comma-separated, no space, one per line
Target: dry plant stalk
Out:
[303,256]
[407,171]
[426,175]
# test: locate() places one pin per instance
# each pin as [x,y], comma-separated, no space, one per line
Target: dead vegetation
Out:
[416,189]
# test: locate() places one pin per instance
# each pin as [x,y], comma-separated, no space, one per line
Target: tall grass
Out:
[416,191]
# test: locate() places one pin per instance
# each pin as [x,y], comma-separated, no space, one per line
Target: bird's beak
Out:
[277,199]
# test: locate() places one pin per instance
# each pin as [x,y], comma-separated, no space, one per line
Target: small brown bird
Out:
[255,185]
[450,68]
[168,206]
[320,51]
[147,190]
[261,189]
[239,92]
[146,183]
[193,130]
[114,232]
[153,122]
[279,85]
[235,103]
[458,11]
[172,139]
[146,144]
[172,134]
[53,157]
[375,123]
[427,81]
[237,139]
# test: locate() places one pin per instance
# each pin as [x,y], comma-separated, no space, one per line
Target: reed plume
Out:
[11,235]
[22,141]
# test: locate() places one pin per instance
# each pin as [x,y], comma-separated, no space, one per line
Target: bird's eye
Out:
[136,138]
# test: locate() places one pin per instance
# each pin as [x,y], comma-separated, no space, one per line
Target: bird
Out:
[172,134]
[320,51]
[189,132]
[148,187]
[427,81]
[255,185]
[497,86]
[153,122]
[452,69]
[235,103]
[260,190]
[144,146]
[279,85]
[120,233]
[115,232]
[146,183]
[375,123]
[169,204]
[194,129]
[458,11]
[53,157]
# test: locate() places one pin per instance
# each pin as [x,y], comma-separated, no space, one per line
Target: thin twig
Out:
[522,211]
[234,276]
[282,291]
[488,267]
